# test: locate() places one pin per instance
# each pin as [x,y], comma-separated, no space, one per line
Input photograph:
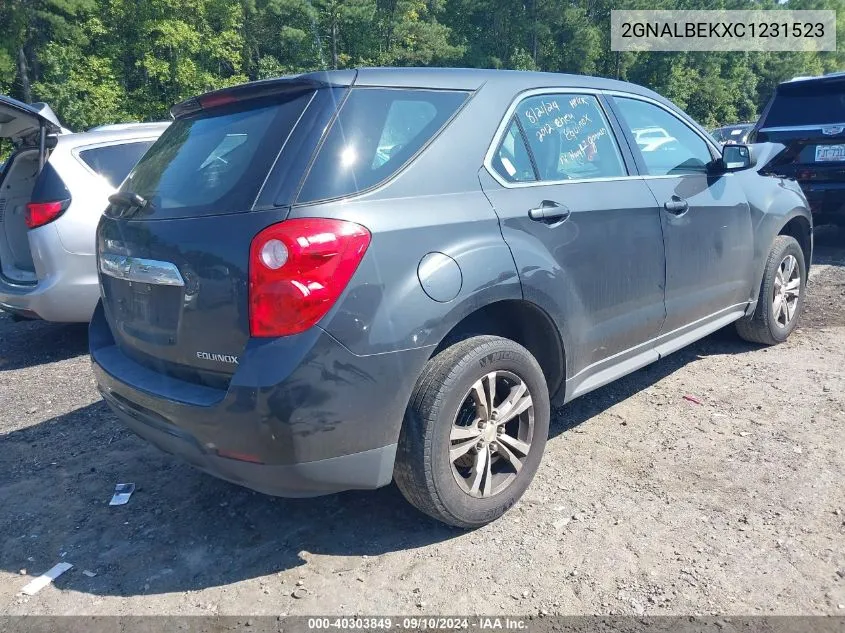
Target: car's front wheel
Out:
[474,431]
[782,294]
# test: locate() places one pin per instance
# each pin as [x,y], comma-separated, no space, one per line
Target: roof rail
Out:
[116,127]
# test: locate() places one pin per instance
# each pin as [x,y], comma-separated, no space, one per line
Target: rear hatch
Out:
[21,123]
[808,117]
[29,128]
[174,243]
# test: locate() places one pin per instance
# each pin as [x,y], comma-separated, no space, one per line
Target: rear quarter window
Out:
[114,162]
[376,133]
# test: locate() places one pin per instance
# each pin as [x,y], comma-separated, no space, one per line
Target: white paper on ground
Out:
[122,492]
[46,578]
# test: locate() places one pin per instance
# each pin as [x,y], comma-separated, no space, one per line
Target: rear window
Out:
[215,162]
[377,131]
[113,162]
[815,104]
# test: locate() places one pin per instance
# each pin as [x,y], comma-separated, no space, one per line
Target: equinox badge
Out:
[220,358]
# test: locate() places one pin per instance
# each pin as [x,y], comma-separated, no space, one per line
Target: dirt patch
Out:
[645,502]
[826,299]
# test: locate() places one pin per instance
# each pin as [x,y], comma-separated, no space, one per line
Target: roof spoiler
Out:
[264,88]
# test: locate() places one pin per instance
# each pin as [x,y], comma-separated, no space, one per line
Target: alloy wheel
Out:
[787,290]
[491,434]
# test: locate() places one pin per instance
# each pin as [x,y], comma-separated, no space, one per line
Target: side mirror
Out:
[737,158]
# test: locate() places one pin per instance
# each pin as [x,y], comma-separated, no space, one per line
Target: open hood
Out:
[767,156]
[21,122]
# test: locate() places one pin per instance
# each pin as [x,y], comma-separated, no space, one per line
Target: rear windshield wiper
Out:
[128,199]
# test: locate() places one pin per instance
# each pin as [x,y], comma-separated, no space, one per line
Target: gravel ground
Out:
[645,502]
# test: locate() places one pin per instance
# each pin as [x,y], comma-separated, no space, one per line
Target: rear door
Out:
[584,232]
[706,219]
[174,270]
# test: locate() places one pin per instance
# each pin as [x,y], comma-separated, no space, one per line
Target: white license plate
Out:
[829,153]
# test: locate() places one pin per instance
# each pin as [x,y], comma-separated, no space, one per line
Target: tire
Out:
[442,401]
[766,326]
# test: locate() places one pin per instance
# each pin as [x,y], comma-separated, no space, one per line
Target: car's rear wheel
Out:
[781,298]
[474,431]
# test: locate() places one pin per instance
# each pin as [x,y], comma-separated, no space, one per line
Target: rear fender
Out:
[419,279]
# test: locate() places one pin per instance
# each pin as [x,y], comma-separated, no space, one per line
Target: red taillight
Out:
[41,213]
[298,269]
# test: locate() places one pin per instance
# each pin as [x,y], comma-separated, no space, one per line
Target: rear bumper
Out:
[827,200]
[67,288]
[302,416]
[367,469]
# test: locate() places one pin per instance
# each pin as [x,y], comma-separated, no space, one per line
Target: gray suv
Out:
[336,280]
[53,189]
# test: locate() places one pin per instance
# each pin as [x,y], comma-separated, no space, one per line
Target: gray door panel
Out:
[599,273]
[705,217]
[709,247]
[585,235]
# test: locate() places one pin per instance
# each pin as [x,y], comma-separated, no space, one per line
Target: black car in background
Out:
[807,115]
[736,134]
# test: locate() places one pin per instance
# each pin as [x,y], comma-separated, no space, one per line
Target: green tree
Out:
[98,61]
[29,25]
[83,88]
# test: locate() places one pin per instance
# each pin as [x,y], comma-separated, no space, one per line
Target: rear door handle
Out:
[549,212]
[676,205]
